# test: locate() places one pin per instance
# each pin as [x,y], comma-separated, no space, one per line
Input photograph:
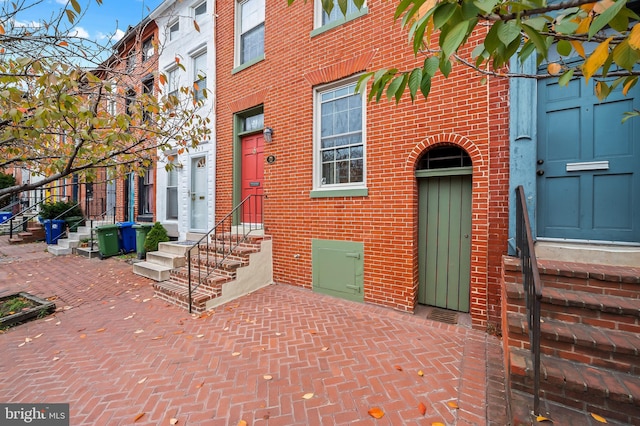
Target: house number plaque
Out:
[271,159]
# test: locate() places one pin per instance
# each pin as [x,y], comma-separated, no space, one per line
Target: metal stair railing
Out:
[250,214]
[23,223]
[532,288]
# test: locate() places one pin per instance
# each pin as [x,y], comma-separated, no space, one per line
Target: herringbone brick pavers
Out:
[113,352]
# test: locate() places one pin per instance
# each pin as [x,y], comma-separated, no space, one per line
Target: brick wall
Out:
[460,111]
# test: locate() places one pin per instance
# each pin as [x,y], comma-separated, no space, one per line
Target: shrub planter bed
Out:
[20,307]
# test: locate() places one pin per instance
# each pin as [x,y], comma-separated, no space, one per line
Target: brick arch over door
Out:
[479,218]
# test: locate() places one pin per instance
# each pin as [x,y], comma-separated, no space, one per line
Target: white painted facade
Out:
[179,38]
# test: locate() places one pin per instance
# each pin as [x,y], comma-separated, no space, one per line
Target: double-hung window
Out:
[336,17]
[199,75]
[171,88]
[200,10]
[147,49]
[250,37]
[340,138]
[174,30]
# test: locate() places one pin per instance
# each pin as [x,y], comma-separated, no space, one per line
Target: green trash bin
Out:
[142,229]
[73,222]
[107,240]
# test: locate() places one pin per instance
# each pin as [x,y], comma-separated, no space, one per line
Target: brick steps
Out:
[207,273]
[611,394]
[590,337]
[34,232]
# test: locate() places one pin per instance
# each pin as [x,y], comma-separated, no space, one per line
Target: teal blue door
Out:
[588,166]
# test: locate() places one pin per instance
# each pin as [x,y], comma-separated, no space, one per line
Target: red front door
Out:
[252,177]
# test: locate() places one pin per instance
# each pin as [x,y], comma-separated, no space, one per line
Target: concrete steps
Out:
[159,264]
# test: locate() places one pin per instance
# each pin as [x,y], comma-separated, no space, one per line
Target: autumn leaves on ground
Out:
[280,356]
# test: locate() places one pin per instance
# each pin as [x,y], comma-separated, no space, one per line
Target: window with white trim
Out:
[324,18]
[174,30]
[147,49]
[200,11]
[249,30]
[172,189]
[199,75]
[339,136]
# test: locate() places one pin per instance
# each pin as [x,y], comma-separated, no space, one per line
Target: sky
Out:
[111,19]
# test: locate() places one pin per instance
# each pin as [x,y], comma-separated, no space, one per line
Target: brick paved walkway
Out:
[113,352]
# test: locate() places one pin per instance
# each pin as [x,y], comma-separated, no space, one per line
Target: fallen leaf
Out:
[100,330]
[267,377]
[82,336]
[397,367]
[376,413]
[199,336]
[312,332]
[235,354]
[437,424]
[199,385]
[145,300]
[21,344]
[48,319]
[129,317]
[543,419]
[173,421]
[225,329]
[325,349]
[157,338]
[453,404]
[307,395]
[178,332]
[242,423]
[278,334]
[141,381]
[138,417]
[55,358]
[113,307]
[598,418]
[138,331]
[58,323]
[422,408]
[39,335]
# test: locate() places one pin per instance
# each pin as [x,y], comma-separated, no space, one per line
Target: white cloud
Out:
[116,36]
[79,32]
[62,2]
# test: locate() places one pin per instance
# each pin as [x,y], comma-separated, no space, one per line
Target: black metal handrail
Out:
[223,240]
[532,287]
[22,212]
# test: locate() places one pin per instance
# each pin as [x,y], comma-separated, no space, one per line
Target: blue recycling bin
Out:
[5,216]
[127,236]
[53,230]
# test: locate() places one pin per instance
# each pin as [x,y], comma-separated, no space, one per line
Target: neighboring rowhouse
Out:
[134,68]
[394,205]
[185,192]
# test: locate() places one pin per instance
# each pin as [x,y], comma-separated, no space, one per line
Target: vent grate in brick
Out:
[443,315]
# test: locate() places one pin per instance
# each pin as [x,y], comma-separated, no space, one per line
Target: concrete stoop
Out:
[159,264]
[71,244]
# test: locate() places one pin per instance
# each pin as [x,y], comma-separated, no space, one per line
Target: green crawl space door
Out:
[444,241]
[338,268]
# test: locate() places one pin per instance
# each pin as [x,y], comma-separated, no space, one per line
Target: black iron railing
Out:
[220,242]
[532,288]
[34,209]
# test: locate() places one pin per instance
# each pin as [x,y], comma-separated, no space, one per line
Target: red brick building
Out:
[388,204]
[134,67]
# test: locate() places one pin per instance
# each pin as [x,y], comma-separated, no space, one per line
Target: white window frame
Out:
[173,82]
[148,50]
[239,33]
[317,127]
[199,16]
[318,13]
[195,78]
[173,35]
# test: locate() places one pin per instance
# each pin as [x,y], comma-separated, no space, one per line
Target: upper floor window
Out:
[172,82]
[130,98]
[174,29]
[336,17]
[339,135]
[147,89]
[199,75]
[147,49]
[131,60]
[250,34]
[200,10]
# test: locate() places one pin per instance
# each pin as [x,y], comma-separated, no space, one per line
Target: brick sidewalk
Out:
[112,352]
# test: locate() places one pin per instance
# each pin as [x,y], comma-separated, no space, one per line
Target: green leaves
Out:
[604,18]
